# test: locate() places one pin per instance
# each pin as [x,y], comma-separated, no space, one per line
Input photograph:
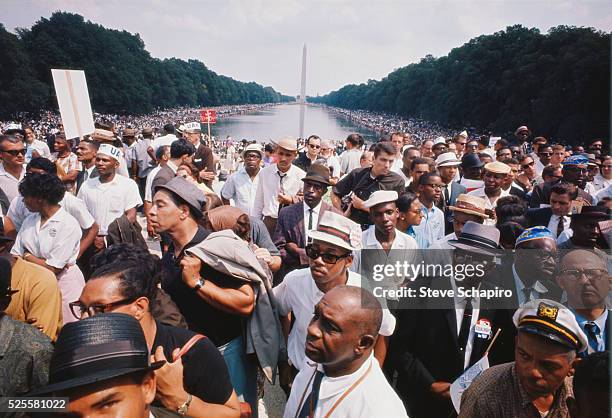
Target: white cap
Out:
[552,321]
[110,150]
[381,196]
[337,230]
[190,127]
[447,159]
[439,140]
[463,134]
[253,147]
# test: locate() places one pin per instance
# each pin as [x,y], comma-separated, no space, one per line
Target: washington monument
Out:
[303,93]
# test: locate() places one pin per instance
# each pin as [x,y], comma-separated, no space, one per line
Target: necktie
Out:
[593,334]
[310,403]
[466,324]
[560,225]
[85,175]
[280,181]
[527,294]
[310,219]
[446,195]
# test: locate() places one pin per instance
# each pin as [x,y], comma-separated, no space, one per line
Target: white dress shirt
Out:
[404,247]
[554,222]
[72,204]
[316,211]
[240,188]
[299,294]
[373,397]
[109,201]
[266,203]
[490,203]
[57,241]
[10,184]
[431,228]
[460,303]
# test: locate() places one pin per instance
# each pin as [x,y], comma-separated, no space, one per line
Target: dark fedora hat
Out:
[477,238]
[471,161]
[96,349]
[318,173]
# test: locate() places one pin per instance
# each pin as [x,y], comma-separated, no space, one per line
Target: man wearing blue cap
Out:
[575,169]
[538,382]
[534,266]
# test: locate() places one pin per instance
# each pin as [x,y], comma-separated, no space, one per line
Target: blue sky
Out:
[348,41]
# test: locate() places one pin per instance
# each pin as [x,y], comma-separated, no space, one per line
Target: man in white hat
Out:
[382,237]
[494,177]
[330,256]
[521,135]
[279,184]
[203,158]
[448,167]
[538,382]
[109,196]
[241,186]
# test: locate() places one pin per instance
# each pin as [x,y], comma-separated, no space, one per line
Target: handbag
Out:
[245,407]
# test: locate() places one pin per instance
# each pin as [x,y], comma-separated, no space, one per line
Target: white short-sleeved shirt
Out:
[350,160]
[266,203]
[163,140]
[372,398]
[57,241]
[72,204]
[241,189]
[299,294]
[402,242]
[149,183]
[109,201]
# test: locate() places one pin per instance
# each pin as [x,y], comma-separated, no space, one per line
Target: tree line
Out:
[557,83]
[122,77]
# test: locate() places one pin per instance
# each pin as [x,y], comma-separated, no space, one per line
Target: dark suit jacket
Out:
[537,217]
[164,175]
[518,192]
[290,228]
[81,177]
[541,194]
[456,190]
[425,349]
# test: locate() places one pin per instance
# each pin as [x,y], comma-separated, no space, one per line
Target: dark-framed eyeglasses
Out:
[327,258]
[591,274]
[547,154]
[78,308]
[314,146]
[16,152]
[435,186]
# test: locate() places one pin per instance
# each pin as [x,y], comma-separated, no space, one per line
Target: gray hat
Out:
[187,191]
[478,238]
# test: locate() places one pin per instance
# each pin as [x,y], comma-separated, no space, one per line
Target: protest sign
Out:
[73,100]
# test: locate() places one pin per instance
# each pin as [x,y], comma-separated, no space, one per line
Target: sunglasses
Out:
[545,153]
[327,258]
[16,152]
[524,166]
[314,146]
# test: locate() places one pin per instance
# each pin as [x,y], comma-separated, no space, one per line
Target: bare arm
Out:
[88,238]
[336,201]
[41,262]
[131,215]
[240,301]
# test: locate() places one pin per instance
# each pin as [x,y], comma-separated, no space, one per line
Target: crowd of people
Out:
[286,266]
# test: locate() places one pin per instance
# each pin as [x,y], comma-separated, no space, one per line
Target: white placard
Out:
[73,100]
[493,140]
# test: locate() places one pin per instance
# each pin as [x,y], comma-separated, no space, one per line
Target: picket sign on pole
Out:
[73,100]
